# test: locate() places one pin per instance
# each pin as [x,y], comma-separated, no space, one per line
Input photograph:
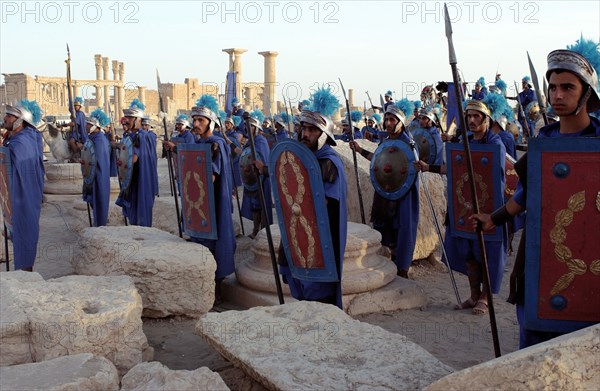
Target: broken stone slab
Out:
[309,345]
[569,362]
[427,239]
[157,377]
[67,373]
[41,320]
[174,277]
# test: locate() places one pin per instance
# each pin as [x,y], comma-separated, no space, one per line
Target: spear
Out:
[348,116]
[465,138]
[263,204]
[536,84]
[522,112]
[169,161]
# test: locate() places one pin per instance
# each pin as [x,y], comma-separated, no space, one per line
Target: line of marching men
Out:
[573,93]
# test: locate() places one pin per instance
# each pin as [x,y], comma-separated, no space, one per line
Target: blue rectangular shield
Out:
[562,258]
[197,192]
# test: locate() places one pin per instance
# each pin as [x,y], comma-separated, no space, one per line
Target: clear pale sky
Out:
[370,45]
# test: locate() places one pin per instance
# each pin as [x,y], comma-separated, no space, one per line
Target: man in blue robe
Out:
[346,136]
[317,135]
[428,121]
[524,98]
[480,91]
[110,137]
[464,255]
[77,136]
[25,146]
[389,100]
[239,112]
[281,121]
[251,205]
[98,193]
[236,147]
[138,202]
[573,94]
[396,220]
[205,120]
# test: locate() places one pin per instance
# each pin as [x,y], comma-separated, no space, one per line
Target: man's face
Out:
[370,123]
[146,126]
[524,84]
[387,98]
[391,121]
[228,126]
[265,124]
[131,123]
[477,87]
[564,90]
[77,107]
[424,122]
[178,127]
[310,136]
[9,121]
[345,128]
[88,128]
[476,121]
[201,125]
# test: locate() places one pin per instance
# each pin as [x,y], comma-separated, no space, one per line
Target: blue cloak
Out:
[459,250]
[80,134]
[137,207]
[234,136]
[112,157]
[251,201]
[335,192]
[26,194]
[99,195]
[509,143]
[282,135]
[223,249]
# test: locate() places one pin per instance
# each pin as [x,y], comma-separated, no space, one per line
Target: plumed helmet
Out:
[533,110]
[282,119]
[323,104]
[98,119]
[423,112]
[527,80]
[499,109]
[389,93]
[184,120]
[136,109]
[582,59]
[401,110]
[78,101]
[236,103]
[27,111]
[206,107]
[256,119]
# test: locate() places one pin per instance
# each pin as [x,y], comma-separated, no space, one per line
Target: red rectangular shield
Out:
[197,193]
[563,231]
[489,184]
[5,186]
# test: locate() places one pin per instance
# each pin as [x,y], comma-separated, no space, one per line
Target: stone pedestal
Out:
[369,282]
[66,179]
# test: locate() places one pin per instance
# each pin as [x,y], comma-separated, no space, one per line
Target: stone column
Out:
[142,94]
[75,90]
[249,96]
[106,86]
[115,70]
[269,92]
[351,97]
[122,102]
[235,65]
[98,64]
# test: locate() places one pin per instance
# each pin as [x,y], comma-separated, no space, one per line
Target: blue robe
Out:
[233,135]
[439,145]
[80,134]
[335,193]
[509,143]
[223,248]
[241,128]
[524,99]
[282,135]
[479,95]
[251,201]
[346,136]
[459,250]
[99,193]
[137,206]
[113,158]
[26,194]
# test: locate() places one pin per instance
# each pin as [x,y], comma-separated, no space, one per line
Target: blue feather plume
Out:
[137,104]
[501,84]
[234,101]
[324,102]
[102,118]
[222,116]
[209,102]
[498,106]
[257,114]
[236,120]
[481,81]
[417,104]
[527,79]
[406,106]
[33,108]
[389,93]
[285,117]
[377,117]
[355,116]
[182,117]
[588,49]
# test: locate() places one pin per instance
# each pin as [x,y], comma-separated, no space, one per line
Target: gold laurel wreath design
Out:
[467,207]
[563,254]
[194,205]
[296,217]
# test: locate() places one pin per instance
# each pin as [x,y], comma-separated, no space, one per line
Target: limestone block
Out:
[42,320]
[427,240]
[569,362]
[174,277]
[157,377]
[68,373]
[310,345]
[63,178]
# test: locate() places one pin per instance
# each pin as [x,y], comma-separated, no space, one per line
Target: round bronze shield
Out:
[248,170]
[392,169]
[88,162]
[426,145]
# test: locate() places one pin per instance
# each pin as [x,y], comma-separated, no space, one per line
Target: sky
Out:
[372,46]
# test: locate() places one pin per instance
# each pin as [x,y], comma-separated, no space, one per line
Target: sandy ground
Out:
[457,338]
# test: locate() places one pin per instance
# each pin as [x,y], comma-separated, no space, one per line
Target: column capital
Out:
[269,53]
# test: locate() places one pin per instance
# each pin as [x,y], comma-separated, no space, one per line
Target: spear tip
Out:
[447,20]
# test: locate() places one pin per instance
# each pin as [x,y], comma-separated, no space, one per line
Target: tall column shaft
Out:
[98,64]
[270,81]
